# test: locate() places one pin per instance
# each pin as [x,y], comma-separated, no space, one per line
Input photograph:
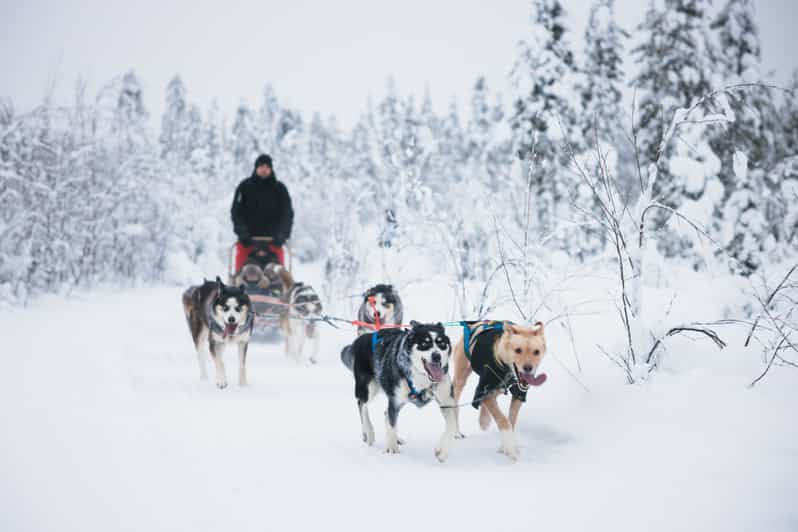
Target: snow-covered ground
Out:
[106,426]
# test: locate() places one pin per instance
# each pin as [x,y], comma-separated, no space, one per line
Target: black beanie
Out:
[263,159]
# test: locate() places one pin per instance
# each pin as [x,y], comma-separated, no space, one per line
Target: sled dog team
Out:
[409,365]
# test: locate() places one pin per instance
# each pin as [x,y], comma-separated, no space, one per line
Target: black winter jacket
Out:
[262,207]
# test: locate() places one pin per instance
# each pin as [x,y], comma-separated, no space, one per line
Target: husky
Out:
[303,302]
[506,357]
[219,315]
[381,304]
[410,366]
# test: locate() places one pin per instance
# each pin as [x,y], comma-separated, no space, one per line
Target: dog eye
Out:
[537,352]
[225,308]
[238,308]
[518,350]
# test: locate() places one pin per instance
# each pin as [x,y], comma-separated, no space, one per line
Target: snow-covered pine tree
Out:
[602,76]
[500,155]
[361,165]
[489,142]
[543,118]
[244,139]
[134,239]
[782,178]
[452,145]
[289,145]
[13,215]
[415,144]
[674,72]
[542,75]
[737,61]
[210,154]
[174,139]
[384,123]
[186,167]
[600,120]
[130,114]
[749,139]
[23,233]
[427,114]
[480,124]
[268,116]
[789,111]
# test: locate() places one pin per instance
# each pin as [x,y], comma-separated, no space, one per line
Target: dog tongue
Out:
[435,371]
[230,329]
[535,380]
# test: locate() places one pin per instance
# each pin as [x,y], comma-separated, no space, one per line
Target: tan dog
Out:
[505,356]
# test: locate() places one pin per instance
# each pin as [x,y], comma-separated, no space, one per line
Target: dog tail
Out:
[348,357]
[188,297]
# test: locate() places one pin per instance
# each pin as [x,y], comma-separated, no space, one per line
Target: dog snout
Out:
[231,320]
[529,368]
[436,358]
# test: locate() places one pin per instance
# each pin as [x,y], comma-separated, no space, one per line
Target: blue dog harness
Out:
[468,333]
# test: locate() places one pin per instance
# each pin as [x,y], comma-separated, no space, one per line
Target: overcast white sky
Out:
[319,55]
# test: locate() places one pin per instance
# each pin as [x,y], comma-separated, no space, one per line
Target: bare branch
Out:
[768,301]
[506,271]
[775,352]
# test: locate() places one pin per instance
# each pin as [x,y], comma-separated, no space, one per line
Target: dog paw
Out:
[441,454]
[392,449]
[313,361]
[221,383]
[368,439]
[401,441]
[459,435]
[510,452]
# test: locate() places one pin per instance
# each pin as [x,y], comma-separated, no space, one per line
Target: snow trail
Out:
[106,426]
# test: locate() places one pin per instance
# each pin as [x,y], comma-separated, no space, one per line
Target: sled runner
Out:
[267,281]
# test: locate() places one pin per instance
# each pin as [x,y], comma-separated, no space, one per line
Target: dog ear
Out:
[414,324]
[538,327]
[510,329]
[219,282]
[439,327]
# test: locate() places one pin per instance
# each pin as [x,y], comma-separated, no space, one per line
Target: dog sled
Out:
[266,280]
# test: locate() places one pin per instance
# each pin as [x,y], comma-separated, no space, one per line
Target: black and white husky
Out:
[303,302]
[219,315]
[380,303]
[410,366]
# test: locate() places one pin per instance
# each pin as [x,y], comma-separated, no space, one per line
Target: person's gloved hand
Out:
[245,240]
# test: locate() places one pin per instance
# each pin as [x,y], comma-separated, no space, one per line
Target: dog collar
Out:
[414,394]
